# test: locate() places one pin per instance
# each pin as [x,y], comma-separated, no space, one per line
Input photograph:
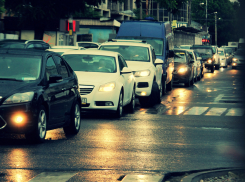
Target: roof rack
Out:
[125,40]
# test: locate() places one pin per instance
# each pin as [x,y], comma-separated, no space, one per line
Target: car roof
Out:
[126,43]
[64,47]
[34,52]
[94,52]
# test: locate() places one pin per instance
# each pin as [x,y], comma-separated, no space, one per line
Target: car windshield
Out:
[88,45]
[91,63]
[180,56]
[24,68]
[131,53]
[203,51]
[157,44]
[221,52]
[239,53]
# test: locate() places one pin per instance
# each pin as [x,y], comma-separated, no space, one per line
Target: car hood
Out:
[9,87]
[92,78]
[138,65]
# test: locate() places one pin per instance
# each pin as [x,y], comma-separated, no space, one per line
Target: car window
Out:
[62,67]
[180,56]
[91,63]
[51,68]
[130,53]
[121,62]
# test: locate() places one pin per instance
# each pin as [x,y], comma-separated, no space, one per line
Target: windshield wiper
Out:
[14,79]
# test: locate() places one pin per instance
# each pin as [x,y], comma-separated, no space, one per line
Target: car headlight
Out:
[107,87]
[183,70]
[209,60]
[19,98]
[234,59]
[142,73]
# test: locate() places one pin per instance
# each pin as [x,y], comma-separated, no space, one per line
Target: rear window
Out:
[130,53]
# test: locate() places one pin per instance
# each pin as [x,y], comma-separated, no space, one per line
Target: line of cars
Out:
[50,90]
[43,90]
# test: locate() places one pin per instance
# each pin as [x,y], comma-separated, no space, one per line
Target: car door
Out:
[55,93]
[158,68]
[126,79]
[68,84]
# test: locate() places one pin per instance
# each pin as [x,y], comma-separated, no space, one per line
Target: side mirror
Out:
[55,78]
[158,61]
[126,70]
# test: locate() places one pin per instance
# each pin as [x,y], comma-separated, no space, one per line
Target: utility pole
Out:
[146,7]
[215,28]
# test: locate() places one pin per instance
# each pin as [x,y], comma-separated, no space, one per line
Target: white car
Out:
[147,69]
[105,81]
[61,49]
[197,65]
[223,58]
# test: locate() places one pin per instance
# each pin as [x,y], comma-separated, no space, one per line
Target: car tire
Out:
[170,85]
[188,83]
[164,86]
[39,133]
[131,105]
[75,120]
[119,111]
[212,69]
[153,98]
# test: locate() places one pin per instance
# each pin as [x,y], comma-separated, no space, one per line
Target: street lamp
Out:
[206,14]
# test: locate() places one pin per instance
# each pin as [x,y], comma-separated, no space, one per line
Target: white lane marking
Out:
[53,177]
[216,111]
[217,99]
[142,178]
[196,111]
[235,112]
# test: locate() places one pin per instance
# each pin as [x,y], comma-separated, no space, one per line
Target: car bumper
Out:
[181,78]
[209,65]
[16,118]
[143,86]
[96,100]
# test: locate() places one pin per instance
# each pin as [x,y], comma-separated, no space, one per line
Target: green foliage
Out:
[171,5]
[226,18]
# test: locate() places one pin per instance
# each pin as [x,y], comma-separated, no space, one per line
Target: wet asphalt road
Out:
[199,127]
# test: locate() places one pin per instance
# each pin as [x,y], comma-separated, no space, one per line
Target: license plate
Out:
[84,101]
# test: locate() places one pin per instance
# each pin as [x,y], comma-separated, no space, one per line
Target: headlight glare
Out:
[234,59]
[209,60]
[182,70]
[19,98]
[142,73]
[107,87]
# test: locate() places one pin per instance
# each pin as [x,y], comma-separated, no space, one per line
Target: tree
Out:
[226,18]
[39,12]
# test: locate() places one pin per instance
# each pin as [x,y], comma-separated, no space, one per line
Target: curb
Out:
[196,177]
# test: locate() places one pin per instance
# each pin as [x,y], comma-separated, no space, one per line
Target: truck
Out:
[160,36]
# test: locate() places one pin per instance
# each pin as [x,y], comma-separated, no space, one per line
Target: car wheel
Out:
[153,98]
[75,121]
[212,69]
[164,86]
[188,83]
[131,105]
[170,85]
[39,133]
[217,67]
[119,110]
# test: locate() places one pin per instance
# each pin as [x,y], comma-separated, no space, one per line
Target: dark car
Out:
[183,67]
[24,44]
[207,54]
[238,60]
[38,92]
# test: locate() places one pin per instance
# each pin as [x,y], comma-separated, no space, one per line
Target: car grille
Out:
[2,123]
[86,89]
